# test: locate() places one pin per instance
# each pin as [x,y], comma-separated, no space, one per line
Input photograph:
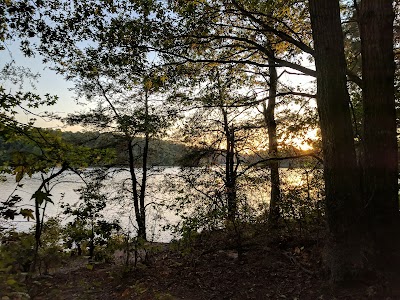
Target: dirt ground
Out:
[215,266]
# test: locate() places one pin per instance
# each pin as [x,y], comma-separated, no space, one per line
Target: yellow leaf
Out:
[27,213]
[19,176]
[148,84]
[11,281]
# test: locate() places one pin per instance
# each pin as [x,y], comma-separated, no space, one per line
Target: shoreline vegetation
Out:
[279,264]
[162,153]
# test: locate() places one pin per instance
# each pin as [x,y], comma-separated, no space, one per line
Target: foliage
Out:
[200,200]
[51,252]
[15,99]
[161,153]
[16,254]
[44,151]
[302,206]
[88,226]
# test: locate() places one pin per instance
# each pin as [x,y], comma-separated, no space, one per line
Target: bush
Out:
[16,257]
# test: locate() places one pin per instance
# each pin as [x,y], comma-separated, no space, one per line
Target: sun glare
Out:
[302,142]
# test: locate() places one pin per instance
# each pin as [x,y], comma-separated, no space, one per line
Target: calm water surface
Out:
[119,206]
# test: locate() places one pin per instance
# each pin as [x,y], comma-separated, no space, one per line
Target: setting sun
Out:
[302,142]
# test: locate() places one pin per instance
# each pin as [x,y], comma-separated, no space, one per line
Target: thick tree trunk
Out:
[269,119]
[342,184]
[380,163]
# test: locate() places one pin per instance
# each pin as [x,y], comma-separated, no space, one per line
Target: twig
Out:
[294,261]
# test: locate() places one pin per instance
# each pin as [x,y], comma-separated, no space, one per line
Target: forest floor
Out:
[265,267]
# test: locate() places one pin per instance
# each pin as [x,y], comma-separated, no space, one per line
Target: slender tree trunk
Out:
[138,197]
[91,243]
[231,175]
[269,119]
[37,235]
[380,163]
[230,170]
[40,221]
[342,184]
[134,184]
[142,226]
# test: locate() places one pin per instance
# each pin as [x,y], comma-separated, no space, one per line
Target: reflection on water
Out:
[164,186]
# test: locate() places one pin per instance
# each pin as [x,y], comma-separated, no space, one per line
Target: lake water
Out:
[65,190]
[164,186]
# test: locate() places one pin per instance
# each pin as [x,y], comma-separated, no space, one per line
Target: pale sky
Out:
[49,82]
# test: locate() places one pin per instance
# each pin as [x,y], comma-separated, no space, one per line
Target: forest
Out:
[161,153]
[259,136]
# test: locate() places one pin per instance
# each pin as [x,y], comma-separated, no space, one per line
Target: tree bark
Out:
[142,226]
[91,241]
[380,161]
[230,170]
[341,173]
[231,175]
[269,119]
[134,183]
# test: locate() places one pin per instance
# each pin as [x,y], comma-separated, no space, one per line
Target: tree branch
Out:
[313,154]
[284,36]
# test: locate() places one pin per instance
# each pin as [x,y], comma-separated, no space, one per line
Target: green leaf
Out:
[41,196]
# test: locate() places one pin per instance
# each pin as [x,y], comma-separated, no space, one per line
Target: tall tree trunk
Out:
[230,166]
[269,119]
[134,185]
[138,196]
[380,164]
[231,175]
[142,225]
[343,190]
[230,171]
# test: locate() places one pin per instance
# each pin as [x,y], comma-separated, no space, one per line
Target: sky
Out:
[55,84]
[48,82]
